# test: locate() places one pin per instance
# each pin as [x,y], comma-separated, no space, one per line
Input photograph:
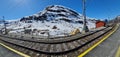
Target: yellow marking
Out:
[19,53]
[95,45]
[118,53]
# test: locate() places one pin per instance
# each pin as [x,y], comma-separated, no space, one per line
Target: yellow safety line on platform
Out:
[19,53]
[118,53]
[95,45]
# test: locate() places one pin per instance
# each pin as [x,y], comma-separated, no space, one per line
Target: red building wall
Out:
[100,24]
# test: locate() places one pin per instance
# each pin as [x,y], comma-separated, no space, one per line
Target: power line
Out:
[11,8]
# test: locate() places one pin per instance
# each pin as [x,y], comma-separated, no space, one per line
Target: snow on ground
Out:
[62,27]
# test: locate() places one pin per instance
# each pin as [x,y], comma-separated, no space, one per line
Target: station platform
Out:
[108,48]
[4,52]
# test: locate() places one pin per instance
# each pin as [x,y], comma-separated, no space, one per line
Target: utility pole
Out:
[85,27]
[108,20]
[4,25]
[33,18]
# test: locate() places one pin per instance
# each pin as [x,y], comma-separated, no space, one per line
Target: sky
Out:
[100,9]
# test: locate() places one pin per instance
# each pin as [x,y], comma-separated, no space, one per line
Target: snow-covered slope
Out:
[62,27]
[55,19]
[55,12]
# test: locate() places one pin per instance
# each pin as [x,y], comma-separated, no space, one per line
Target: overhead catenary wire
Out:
[17,5]
[11,8]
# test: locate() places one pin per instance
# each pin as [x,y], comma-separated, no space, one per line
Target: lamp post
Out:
[85,27]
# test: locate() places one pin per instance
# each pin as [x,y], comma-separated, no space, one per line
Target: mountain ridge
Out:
[55,12]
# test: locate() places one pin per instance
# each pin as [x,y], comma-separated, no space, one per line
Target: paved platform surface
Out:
[7,53]
[107,48]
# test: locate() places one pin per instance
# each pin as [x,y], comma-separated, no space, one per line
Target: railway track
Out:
[70,46]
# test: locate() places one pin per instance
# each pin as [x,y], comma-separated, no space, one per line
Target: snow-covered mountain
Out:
[55,12]
[55,20]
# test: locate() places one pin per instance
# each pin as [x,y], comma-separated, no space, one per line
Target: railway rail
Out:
[70,46]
